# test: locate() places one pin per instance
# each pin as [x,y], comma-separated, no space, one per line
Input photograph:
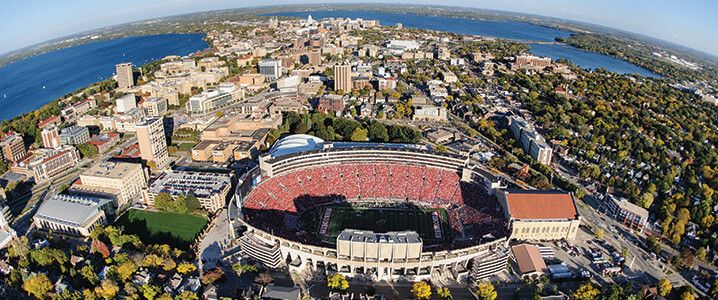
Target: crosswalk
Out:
[546,252]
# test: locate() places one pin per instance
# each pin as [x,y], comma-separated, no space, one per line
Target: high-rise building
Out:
[270,68]
[13,148]
[51,137]
[531,141]
[343,78]
[152,141]
[315,57]
[125,79]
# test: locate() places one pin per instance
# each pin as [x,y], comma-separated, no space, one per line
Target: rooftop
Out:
[295,143]
[372,237]
[528,258]
[71,210]
[540,204]
[199,184]
[117,170]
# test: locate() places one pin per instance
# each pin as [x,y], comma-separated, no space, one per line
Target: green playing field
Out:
[377,220]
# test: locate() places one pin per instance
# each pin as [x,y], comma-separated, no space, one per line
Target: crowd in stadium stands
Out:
[472,212]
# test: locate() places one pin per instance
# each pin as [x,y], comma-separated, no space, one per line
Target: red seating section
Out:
[471,211]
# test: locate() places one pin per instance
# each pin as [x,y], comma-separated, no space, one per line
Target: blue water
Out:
[500,29]
[66,70]
[589,60]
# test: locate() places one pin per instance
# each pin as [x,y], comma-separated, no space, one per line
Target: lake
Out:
[28,84]
[500,29]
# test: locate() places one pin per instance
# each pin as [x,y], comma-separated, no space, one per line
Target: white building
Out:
[125,103]
[73,215]
[211,100]
[270,68]
[155,106]
[152,141]
[398,47]
[74,135]
[531,141]
[209,188]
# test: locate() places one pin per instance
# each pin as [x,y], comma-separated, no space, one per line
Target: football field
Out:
[378,220]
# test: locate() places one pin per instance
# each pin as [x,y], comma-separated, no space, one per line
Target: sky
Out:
[691,23]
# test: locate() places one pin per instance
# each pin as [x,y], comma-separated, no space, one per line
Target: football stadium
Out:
[382,211]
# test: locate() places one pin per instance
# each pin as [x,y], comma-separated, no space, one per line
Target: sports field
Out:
[378,220]
[178,230]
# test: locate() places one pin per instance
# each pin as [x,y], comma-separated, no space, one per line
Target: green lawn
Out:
[178,230]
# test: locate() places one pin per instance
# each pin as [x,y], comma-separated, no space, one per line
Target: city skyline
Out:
[690,24]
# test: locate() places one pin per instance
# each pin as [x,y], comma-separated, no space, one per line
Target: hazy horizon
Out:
[17,40]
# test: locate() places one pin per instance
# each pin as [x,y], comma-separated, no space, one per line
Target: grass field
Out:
[178,230]
[378,220]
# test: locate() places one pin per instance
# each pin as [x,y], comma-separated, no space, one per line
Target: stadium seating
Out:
[471,211]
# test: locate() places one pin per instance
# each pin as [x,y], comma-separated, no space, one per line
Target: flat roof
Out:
[117,170]
[540,204]
[630,207]
[199,184]
[372,237]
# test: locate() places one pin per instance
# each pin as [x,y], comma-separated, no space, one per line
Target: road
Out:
[213,245]
[641,266]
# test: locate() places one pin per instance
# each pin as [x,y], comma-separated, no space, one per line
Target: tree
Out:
[89,294]
[599,233]
[168,264]
[187,295]
[486,291]
[359,135]
[163,201]
[337,282]
[186,268]
[263,279]
[624,252]
[378,132]
[149,291]
[664,287]
[87,150]
[191,203]
[687,295]
[126,270]
[586,291]
[421,290]
[107,289]
[89,274]
[152,260]
[653,244]
[70,295]
[686,258]
[701,253]
[3,167]
[301,128]
[211,276]
[444,293]
[38,286]
[48,256]
[646,200]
